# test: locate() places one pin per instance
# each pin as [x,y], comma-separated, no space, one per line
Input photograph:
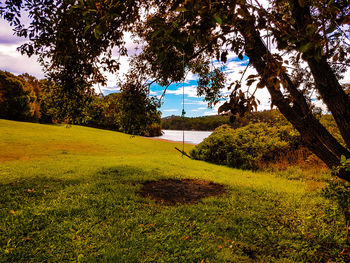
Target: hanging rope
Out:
[183,113]
[183,105]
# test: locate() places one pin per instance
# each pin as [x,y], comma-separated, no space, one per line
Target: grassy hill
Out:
[72,194]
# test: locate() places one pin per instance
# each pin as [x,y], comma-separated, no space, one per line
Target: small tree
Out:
[138,112]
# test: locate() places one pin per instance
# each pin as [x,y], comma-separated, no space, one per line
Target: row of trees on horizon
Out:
[210,123]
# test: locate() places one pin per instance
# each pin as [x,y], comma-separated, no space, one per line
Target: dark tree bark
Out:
[327,84]
[314,134]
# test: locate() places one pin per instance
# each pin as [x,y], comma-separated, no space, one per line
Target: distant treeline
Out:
[210,123]
[25,98]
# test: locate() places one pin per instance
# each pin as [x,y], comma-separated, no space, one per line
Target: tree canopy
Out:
[297,47]
[14,100]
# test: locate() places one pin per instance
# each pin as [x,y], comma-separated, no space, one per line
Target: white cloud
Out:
[191,103]
[131,45]
[171,110]
[190,77]
[14,62]
[7,36]
[195,102]
[154,93]
[115,88]
[190,91]
[210,112]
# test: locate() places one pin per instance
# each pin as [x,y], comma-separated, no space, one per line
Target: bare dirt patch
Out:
[186,191]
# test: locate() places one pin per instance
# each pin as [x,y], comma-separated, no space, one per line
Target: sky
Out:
[11,60]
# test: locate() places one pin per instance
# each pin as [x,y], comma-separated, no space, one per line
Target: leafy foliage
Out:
[32,86]
[205,31]
[103,112]
[339,191]
[248,146]
[72,41]
[139,113]
[14,100]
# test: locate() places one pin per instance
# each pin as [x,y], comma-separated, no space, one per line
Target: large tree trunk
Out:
[315,136]
[327,84]
[337,101]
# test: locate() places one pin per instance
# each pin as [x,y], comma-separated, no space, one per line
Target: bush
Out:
[339,191]
[247,147]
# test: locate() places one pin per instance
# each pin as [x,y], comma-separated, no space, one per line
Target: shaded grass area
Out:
[82,205]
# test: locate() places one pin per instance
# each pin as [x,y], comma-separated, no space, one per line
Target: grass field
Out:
[71,194]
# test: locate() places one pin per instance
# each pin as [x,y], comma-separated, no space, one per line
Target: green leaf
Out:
[342,159]
[217,18]
[181,9]
[318,54]
[310,30]
[306,47]
[98,31]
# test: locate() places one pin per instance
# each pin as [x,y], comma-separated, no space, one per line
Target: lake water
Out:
[194,137]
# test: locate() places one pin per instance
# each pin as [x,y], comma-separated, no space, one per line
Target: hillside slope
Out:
[72,194]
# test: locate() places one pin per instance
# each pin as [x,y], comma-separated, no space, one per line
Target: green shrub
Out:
[153,130]
[339,191]
[248,146]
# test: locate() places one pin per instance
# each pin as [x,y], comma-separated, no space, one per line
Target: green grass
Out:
[71,194]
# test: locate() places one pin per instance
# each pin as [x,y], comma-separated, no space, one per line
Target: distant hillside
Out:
[209,123]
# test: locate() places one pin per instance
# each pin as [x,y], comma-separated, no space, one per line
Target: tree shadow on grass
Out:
[27,189]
